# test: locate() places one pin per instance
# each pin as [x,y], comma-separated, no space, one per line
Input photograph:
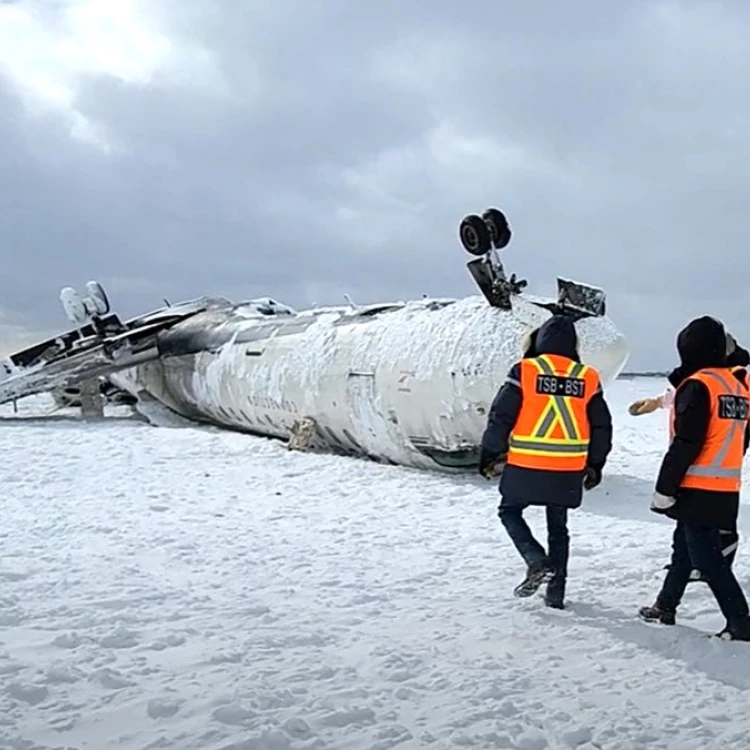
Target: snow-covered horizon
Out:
[197,588]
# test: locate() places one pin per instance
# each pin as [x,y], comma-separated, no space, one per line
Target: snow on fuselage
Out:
[409,383]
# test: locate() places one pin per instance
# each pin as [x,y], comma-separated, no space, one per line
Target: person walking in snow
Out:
[549,433]
[738,359]
[699,480]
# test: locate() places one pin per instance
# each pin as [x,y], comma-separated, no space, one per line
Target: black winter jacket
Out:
[700,345]
[520,486]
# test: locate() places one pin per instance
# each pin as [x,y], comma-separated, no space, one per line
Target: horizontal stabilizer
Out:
[103,346]
[65,372]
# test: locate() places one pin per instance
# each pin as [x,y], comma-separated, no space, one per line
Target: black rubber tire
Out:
[498,227]
[474,235]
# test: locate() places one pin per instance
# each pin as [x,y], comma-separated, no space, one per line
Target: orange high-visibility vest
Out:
[552,430]
[718,467]
[734,369]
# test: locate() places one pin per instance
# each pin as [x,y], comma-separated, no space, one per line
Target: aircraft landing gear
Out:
[483,236]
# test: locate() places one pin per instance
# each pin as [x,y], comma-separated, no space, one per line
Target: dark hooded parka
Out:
[701,344]
[522,486]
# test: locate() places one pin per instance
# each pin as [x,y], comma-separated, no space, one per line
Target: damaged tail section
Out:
[101,344]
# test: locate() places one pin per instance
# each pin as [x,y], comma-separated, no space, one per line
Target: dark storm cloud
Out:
[323,148]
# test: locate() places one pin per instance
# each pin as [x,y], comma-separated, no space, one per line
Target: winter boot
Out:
[657,614]
[739,631]
[555,594]
[536,575]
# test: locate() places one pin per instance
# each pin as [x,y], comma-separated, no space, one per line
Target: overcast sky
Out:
[305,149]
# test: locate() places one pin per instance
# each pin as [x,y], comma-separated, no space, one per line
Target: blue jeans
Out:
[701,548]
[558,539]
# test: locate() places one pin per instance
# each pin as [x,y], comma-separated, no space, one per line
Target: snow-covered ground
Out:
[193,588]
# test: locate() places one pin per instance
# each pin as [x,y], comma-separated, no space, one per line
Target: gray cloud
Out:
[304,150]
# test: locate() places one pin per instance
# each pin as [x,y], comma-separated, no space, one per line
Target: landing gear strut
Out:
[483,236]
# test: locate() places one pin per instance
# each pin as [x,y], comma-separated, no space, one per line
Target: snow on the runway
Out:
[194,588]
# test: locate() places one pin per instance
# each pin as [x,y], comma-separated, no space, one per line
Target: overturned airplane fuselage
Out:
[409,383]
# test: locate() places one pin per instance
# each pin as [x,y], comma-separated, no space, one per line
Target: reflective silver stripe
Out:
[715,468]
[542,445]
[547,423]
[727,444]
[513,381]
[728,550]
[549,420]
[713,471]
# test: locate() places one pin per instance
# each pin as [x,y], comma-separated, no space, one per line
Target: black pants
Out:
[558,541]
[729,542]
[701,548]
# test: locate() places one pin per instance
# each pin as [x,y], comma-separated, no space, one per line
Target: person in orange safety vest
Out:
[700,477]
[738,358]
[549,433]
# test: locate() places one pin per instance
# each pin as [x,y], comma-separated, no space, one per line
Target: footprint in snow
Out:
[121,638]
[576,736]
[297,728]
[31,694]
[170,641]
[63,674]
[111,679]
[68,640]
[233,714]
[161,708]
[352,717]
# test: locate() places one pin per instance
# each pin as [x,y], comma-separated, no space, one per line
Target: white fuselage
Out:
[412,385]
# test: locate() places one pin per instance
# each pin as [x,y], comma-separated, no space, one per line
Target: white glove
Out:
[661,503]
